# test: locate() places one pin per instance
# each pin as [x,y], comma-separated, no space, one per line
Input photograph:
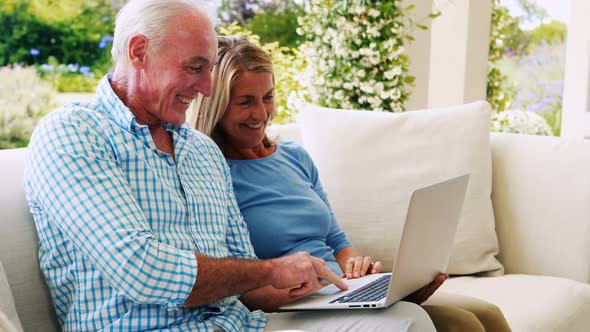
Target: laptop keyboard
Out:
[373,291]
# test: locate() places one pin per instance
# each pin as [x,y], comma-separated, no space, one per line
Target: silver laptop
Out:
[423,253]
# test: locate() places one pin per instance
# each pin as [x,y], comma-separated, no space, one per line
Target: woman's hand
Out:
[358,266]
[422,294]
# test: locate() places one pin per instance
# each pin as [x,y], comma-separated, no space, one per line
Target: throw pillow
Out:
[370,163]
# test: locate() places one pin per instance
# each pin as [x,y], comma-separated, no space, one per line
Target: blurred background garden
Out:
[56,51]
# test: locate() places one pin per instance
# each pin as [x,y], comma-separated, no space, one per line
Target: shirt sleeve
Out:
[336,237]
[74,179]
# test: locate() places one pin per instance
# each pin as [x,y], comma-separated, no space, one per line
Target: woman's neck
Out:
[258,152]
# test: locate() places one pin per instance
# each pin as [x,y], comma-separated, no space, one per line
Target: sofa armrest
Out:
[541,199]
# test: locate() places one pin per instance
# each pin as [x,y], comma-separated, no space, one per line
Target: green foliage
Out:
[355,54]
[539,76]
[236,10]
[549,33]
[526,67]
[499,90]
[69,78]
[46,32]
[278,23]
[520,122]
[532,11]
[53,11]
[553,118]
[287,63]
[73,83]
[24,98]
[505,34]
[508,39]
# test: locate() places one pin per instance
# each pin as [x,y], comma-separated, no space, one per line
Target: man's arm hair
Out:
[219,278]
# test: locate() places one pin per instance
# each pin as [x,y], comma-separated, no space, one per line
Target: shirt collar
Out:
[121,114]
[113,105]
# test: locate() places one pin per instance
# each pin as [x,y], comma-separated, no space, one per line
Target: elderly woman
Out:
[278,188]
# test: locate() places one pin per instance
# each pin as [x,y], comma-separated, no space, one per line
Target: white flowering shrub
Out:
[355,54]
[520,122]
[24,98]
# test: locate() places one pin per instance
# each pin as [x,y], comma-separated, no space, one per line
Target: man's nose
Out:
[203,85]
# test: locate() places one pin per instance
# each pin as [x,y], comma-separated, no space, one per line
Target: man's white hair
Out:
[151,17]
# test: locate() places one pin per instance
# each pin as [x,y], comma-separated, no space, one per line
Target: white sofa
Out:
[540,194]
[541,203]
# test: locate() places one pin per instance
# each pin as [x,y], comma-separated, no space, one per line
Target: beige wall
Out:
[450,59]
[459,52]
[576,101]
[419,54]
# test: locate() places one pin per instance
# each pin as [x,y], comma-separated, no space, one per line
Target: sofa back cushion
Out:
[370,162]
[542,203]
[18,248]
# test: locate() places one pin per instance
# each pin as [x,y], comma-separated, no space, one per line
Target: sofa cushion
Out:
[531,303]
[8,317]
[18,248]
[541,202]
[370,162]
[289,131]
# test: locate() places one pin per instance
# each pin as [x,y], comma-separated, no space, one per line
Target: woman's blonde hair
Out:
[235,55]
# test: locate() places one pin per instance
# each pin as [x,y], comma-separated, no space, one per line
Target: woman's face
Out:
[250,108]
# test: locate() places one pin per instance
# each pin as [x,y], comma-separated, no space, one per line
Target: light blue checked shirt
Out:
[119,221]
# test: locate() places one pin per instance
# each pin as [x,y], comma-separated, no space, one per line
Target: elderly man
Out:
[138,225]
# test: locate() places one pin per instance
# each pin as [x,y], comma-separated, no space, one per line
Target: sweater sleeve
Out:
[238,236]
[336,237]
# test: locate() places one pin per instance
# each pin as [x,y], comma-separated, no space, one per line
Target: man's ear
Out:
[137,50]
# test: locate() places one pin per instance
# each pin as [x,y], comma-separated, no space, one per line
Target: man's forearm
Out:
[219,278]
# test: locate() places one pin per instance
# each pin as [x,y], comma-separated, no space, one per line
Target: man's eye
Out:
[196,69]
[269,97]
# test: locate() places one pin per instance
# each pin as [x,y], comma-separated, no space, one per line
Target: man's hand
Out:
[360,266]
[302,273]
[425,292]
[218,278]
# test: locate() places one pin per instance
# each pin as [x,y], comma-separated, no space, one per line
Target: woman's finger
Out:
[349,266]
[358,266]
[367,266]
[376,268]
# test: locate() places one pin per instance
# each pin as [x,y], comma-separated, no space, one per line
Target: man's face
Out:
[175,73]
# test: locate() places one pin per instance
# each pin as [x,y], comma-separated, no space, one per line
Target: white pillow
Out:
[370,162]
